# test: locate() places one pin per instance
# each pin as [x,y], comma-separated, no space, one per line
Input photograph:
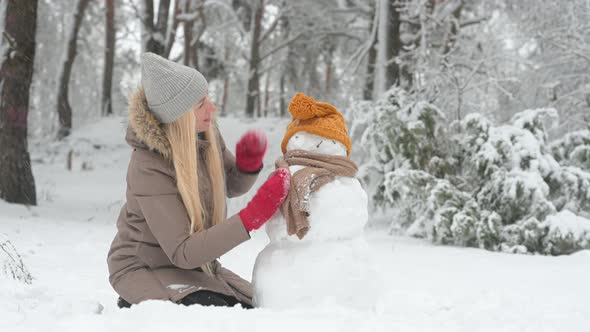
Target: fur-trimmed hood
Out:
[145,131]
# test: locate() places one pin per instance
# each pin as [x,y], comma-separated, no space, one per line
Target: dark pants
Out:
[203,297]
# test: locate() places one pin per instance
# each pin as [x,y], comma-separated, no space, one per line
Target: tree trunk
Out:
[63,104]
[393,44]
[157,38]
[196,44]
[156,41]
[329,70]
[225,96]
[313,79]
[258,102]
[454,30]
[192,40]
[225,79]
[266,94]
[371,61]
[282,102]
[109,59]
[188,37]
[243,12]
[17,184]
[253,77]
[171,34]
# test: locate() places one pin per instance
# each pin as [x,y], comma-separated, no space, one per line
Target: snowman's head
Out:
[303,140]
[316,127]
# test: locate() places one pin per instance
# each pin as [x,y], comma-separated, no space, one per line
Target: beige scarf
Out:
[319,170]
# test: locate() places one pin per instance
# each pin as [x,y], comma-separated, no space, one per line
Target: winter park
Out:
[321,165]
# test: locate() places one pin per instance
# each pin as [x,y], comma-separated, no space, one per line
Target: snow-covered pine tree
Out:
[517,177]
[570,186]
[566,233]
[570,189]
[433,208]
[573,149]
[399,132]
[485,186]
[505,167]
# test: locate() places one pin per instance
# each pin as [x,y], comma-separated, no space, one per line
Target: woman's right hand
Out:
[267,200]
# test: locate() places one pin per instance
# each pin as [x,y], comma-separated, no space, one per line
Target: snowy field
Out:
[65,239]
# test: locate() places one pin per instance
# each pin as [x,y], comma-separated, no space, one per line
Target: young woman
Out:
[173,226]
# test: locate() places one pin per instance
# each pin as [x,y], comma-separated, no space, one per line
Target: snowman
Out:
[317,253]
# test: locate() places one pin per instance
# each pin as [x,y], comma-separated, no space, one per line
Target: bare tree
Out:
[328,59]
[282,102]
[243,11]
[109,59]
[329,30]
[157,35]
[17,49]
[440,56]
[253,75]
[188,26]
[64,109]
[372,57]
[277,41]
[393,44]
[194,13]
[261,48]
[266,93]
[557,43]
[226,77]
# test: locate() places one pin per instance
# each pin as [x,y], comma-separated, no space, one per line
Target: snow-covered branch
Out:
[12,263]
[282,45]
[272,26]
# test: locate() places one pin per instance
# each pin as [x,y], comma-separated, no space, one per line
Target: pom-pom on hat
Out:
[317,118]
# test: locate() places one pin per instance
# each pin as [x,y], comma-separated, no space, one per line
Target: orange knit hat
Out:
[316,118]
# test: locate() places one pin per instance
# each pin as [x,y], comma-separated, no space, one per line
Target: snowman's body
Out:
[331,262]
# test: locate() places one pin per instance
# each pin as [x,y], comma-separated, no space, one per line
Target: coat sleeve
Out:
[237,182]
[168,220]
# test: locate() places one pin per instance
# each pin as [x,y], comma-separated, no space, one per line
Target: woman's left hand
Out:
[250,151]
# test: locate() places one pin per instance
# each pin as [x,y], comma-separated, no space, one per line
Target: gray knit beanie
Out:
[171,89]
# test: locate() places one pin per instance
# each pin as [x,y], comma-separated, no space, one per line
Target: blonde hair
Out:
[184,143]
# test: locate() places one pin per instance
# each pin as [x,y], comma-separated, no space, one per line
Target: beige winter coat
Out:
[153,256]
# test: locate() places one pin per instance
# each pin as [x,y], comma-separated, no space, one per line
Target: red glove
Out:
[267,200]
[250,151]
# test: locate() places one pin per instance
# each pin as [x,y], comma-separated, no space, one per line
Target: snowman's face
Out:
[318,144]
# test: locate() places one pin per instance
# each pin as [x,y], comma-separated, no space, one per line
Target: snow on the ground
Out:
[64,242]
